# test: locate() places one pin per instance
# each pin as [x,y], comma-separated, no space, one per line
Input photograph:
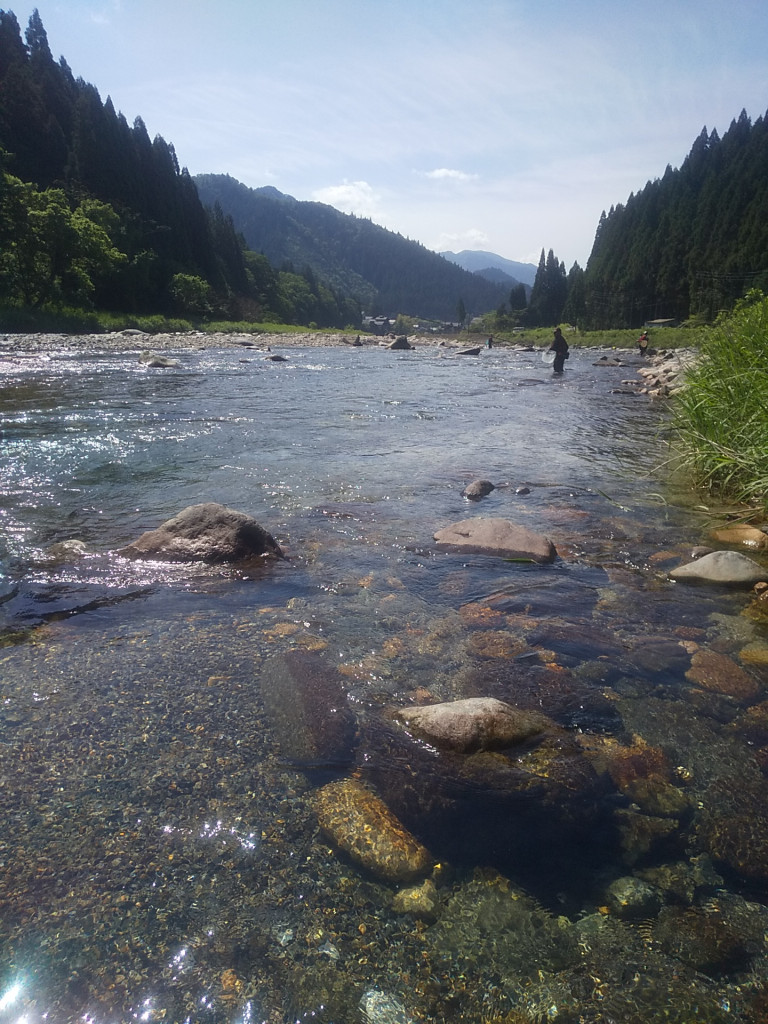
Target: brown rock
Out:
[477,723]
[742,534]
[719,674]
[478,489]
[499,537]
[205,533]
[361,824]
[740,842]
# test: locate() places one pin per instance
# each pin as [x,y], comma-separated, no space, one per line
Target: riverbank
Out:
[190,341]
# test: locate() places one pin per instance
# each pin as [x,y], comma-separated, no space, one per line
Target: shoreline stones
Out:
[499,537]
[360,823]
[208,532]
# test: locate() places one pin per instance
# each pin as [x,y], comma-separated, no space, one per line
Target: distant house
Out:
[661,323]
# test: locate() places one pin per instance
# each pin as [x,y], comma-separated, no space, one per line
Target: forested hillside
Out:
[690,243]
[389,273]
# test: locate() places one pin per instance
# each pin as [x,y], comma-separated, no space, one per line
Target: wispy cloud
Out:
[449,174]
[350,197]
[473,238]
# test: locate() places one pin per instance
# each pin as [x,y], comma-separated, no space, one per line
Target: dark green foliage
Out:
[57,135]
[549,293]
[384,271]
[690,243]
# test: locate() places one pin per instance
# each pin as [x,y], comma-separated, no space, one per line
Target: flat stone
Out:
[361,824]
[719,674]
[476,723]
[500,537]
[731,567]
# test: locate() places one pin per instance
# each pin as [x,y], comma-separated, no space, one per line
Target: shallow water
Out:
[161,858]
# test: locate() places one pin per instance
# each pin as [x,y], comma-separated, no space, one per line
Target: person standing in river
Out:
[560,347]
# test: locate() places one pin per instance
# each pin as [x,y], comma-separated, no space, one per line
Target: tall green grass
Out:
[721,416]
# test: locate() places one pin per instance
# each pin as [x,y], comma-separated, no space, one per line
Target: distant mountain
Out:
[388,273]
[478,262]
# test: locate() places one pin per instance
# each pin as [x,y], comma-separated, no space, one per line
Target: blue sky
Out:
[505,125]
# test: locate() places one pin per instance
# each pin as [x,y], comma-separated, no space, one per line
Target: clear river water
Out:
[160,856]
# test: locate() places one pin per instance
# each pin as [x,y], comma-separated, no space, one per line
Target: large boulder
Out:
[501,537]
[205,533]
[401,343]
[522,808]
[729,567]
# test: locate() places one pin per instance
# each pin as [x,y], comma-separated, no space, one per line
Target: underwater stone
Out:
[499,537]
[720,674]
[308,709]
[740,842]
[379,1007]
[743,534]
[632,898]
[362,825]
[420,901]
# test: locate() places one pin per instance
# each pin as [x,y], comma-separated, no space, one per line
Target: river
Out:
[160,858]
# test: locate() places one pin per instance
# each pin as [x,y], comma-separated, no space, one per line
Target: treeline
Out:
[389,273]
[96,215]
[691,243]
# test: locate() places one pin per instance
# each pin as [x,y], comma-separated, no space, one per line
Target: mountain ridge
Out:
[477,261]
[386,272]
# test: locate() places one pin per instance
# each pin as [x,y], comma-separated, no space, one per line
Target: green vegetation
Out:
[690,243]
[98,222]
[722,414]
[662,338]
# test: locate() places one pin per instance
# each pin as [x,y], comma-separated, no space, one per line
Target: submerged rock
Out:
[522,810]
[499,537]
[208,532]
[361,825]
[720,674]
[379,1007]
[729,567]
[64,551]
[633,899]
[420,901]
[308,709]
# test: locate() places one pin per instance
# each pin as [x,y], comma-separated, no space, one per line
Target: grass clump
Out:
[721,416]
